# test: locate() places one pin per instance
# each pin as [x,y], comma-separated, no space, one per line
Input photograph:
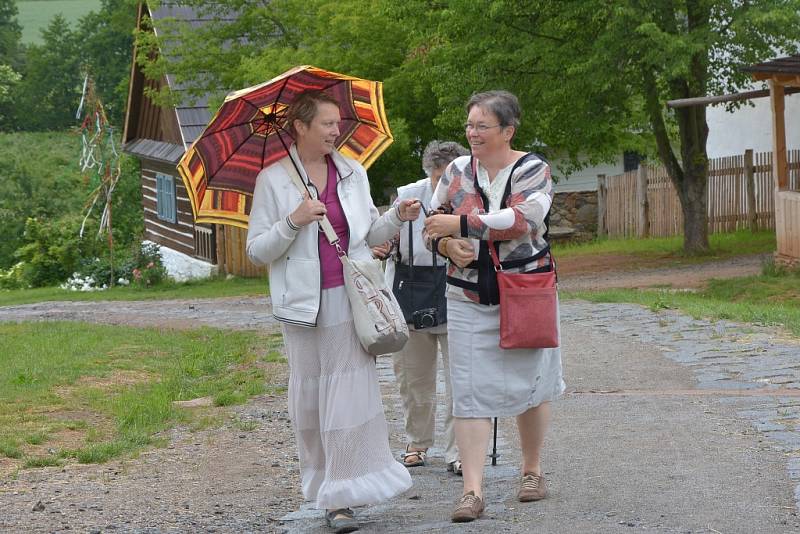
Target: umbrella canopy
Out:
[249,133]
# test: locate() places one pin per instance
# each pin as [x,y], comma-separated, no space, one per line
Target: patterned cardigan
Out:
[518,228]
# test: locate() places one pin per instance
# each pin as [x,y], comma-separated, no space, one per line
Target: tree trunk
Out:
[693,193]
[693,189]
[689,175]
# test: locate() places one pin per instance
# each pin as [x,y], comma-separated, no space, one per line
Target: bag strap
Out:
[325,224]
[411,249]
[495,259]
[498,267]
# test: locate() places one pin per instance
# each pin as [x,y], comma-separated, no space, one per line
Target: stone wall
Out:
[181,267]
[573,216]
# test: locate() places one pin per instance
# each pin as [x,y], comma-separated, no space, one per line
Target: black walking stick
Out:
[494,445]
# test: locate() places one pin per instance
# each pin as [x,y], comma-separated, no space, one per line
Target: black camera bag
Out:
[419,287]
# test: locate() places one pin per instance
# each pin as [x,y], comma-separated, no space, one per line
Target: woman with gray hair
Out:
[415,366]
[498,197]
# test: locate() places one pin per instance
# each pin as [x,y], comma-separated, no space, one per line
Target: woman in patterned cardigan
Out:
[502,196]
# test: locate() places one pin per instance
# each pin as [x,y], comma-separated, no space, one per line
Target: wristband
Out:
[291,223]
[464,227]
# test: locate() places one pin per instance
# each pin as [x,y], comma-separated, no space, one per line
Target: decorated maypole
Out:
[99,163]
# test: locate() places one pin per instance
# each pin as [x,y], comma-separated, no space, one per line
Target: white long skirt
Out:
[337,413]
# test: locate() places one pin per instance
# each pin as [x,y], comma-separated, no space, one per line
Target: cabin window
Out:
[165,197]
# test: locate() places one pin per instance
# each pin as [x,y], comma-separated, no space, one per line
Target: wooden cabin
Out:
[782,74]
[158,137]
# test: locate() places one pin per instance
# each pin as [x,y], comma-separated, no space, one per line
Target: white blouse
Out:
[494,190]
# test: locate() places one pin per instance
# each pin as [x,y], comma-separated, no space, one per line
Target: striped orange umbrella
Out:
[249,133]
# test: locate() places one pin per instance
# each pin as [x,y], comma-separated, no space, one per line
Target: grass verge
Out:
[771,299]
[723,246]
[211,288]
[91,392]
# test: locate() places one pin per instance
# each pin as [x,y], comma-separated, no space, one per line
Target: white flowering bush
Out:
[78,282]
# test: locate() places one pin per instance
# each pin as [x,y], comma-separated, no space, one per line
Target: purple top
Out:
[332,271]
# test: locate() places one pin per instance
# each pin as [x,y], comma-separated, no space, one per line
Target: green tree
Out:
[10,33]
[594,75]
[8,81]
[48,95]
[106,44]
[10,60]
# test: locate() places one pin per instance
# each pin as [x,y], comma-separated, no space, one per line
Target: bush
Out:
[147,269]
[139,266]
[53,249]
[12,278]
[50,186]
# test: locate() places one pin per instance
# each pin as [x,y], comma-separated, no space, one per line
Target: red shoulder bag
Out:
[528,307]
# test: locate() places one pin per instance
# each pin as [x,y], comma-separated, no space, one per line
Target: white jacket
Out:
[293,256]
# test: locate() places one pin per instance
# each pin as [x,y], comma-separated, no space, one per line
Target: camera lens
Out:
[428,320]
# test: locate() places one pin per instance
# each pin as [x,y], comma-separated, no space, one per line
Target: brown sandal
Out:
[414,458]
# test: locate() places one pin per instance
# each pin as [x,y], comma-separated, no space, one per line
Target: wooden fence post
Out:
[220,244]
[750,182]
[602,220]
[643,225]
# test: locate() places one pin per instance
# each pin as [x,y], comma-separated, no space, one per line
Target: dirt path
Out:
[600,272]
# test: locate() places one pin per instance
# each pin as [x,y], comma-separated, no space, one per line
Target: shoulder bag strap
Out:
[411,249]
[325,224]
[498,266]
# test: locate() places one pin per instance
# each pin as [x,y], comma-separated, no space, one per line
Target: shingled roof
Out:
[789,65]
[192,113]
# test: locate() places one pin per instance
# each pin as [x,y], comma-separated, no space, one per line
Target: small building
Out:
[158,137]
[782,74]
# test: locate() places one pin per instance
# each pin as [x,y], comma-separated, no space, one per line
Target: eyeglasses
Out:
[480,128]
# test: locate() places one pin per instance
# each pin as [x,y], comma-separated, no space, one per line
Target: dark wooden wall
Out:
[178,235]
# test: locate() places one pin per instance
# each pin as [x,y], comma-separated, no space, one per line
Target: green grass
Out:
[211,288]
[93,392]
[35,15]
[724,245]
[771,299]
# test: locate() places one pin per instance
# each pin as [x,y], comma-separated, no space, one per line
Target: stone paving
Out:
[757,369]
[751,370]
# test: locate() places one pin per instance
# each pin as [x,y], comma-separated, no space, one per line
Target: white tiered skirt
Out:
[337,413]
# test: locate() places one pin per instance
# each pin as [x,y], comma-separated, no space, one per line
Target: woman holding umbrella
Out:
[334,397]
[500,196]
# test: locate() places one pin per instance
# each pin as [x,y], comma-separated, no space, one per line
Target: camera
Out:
[425,318]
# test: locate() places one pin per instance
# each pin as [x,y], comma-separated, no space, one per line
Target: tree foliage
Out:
[48,95]
[593,76]
[106,49]
[10,33]
[51,73]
